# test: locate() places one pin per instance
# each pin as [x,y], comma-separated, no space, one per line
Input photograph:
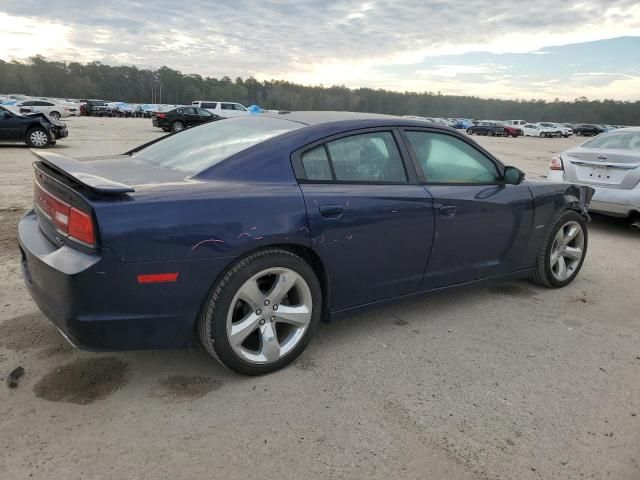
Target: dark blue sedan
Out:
[245,233]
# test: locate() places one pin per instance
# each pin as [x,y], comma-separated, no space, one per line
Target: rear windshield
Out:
[617,140]
[196,149]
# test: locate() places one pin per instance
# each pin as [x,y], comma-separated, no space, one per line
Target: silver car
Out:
[610,163]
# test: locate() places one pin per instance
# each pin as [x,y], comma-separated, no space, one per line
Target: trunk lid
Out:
[602,167]
[67,192]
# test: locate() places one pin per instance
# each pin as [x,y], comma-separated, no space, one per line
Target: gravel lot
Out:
[507,381]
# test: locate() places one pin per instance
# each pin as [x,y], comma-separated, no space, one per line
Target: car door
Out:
[203,115]
[482,224]
[10,126]
[190,116]
[370,221]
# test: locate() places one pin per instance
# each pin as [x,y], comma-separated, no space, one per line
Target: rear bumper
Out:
[96,302]
[609,201]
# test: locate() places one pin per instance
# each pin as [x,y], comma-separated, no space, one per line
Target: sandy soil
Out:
[507,381]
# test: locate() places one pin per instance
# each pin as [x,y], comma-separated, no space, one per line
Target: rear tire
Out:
[249,293]
[177,126]
[559,251]
[55,115]
[470,131]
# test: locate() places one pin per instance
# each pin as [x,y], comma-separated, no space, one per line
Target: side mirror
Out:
[513,176]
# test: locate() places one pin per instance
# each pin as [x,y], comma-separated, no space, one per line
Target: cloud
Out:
[349,42]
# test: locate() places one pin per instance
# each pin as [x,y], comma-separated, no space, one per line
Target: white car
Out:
[516,123]
[535,130]
[566,131]
[222,109]
[610,163]
[50,109]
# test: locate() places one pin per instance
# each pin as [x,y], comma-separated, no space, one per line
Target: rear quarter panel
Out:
[202,220]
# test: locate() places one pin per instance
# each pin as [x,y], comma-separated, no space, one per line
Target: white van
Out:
[222,109]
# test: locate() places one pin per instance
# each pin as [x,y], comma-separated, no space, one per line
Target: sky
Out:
[498,49]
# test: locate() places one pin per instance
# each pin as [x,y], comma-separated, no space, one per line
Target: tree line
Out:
[41,77]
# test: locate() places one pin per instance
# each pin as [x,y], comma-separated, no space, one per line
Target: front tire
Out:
[262,313]
[470,131]
[563,252]
[38,138]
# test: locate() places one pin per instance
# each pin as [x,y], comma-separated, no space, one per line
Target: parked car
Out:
[516,123]
[462,123]
[511,130]
[182,117]
[588,129]
[566,131]
[610,163]
[486,127]
[535,130]
[249,231]
[120,109]
[95,108]
[50,109]
[222,109]
[35,129]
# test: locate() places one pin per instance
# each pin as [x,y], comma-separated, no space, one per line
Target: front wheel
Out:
[470,131]
[38,138]
[262,313]
[564,250]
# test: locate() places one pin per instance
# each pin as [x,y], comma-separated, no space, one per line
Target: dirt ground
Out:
[505,381]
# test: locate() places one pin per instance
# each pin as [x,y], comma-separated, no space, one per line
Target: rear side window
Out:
[369,157]
[208,105]
[226,106]
[316,165]
[446,159]
[196,149]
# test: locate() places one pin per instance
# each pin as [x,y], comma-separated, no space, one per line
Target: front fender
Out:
[550,199]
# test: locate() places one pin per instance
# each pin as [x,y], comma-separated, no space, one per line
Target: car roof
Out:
[325,117]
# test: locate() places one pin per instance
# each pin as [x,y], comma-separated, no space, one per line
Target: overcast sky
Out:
[497,48]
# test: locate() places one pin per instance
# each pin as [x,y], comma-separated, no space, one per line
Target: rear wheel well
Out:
[303,252]
[312,258]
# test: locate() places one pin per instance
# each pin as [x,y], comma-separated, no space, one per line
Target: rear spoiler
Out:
[81,173]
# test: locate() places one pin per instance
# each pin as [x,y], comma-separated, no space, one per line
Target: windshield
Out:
[617,140]
[196,149]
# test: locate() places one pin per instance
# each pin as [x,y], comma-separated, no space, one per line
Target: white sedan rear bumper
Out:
[609,201]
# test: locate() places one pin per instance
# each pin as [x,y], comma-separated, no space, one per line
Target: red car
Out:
[511,131]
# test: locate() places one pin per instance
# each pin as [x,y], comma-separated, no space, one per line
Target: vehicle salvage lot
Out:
[496,381]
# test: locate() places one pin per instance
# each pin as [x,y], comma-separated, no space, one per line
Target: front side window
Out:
[369,157]
[237,106]
[196,149]
[446,159]
[203,112]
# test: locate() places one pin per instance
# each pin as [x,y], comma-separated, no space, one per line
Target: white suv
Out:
[222,109]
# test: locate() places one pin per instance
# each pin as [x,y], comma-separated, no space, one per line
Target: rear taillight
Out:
[161,115]
[556,164]
[68,220]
